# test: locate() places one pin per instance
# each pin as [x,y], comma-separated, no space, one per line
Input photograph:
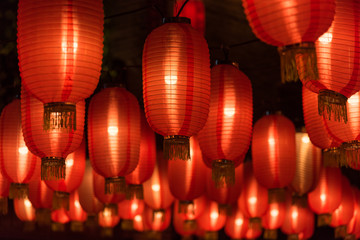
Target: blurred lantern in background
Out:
[59,218]
[158,221]
[176,84]
[17,162]
[227,133]
[189,217]
[25,212]
[273,219]
[60,56]
[146,164]
[114,136]
[236,225]
[128,209]
[4,193]
[195,10]
[76,213]
[354,225]
[309,226]
[180,226]
[107,221]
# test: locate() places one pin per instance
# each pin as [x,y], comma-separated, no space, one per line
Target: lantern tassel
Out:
[43,217]
[211,235]
[91,221]
[223,172]
[270,234]
[190,225]
[323,220]
[177,147]
[127,225]
[293,237]
[107,232]
[57,227]
[76,226]
[59,116]
[3,205]
[29,226]
[276,195]
[186,207]
[298,61]
[255,224]
[332,157]
[350,154]
[115,185]
[111,209]
[53,168]
[60,200]
[332,105]
[340,231]
[135,191]
[18,191]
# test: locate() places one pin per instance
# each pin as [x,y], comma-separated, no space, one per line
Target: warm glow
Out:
[252,200]
[69,47]
[323,197]
[274,212]
[106,213]
[354,99]
[113,131]
[271,141]
[23,150]
[134,206]
[69,162]
[158,215]
[294,214]
[326,38]
[305,139]
[239,222]
[27,203]
[229,112]
[155,187]
[171,79]
[77,204]
[214,215]
[137,218]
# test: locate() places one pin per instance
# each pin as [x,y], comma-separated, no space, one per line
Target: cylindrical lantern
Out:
[158,221]
[114,136]
[236,225]
[52,147]
[195,10]
[326,197]
[186,178]
[59,218]
[176,84]
[293,27]
[4,193]
[227,133]
[107,221]
[60,49]
[273,219]
[76,212]
[336,48]
[75,167]
[274,153]
[25,211]
[128,209]
[17,162]
[309,226]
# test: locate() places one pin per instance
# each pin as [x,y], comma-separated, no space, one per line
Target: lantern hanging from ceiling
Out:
[4,193]
[273,219]
[60,49]
[336,48]
[75,167]
[176,84]
[354,225]
[52,147]
[274,154]
[159,221]
[236,225]
[195,10]
[180,225]
[17,162]
[227,133]
[309,226]
[107,221]
[114,136]
[326,197]
[128,209]
[146,164]
[342,215]
[186,178]
[293,27]
[25,211]
[193,212]
[59,218]
[76,213]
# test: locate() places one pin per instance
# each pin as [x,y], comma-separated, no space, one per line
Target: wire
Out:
[182,7]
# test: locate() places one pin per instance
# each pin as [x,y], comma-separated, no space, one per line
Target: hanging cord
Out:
[182,7]
[226,50]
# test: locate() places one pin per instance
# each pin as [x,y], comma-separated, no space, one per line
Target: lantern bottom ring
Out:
[18,190]
[57,227]
[59,116]
[190,225]
[223,172]
[110,209]
[115,185]
[53,168]
[323,219]
[340,231]
[76,226]
[135,191]
[186,206]
[177,147]
[332,105]
[60,200]
[276,195]
[107,232]
[43,217]
[158,214]
[270,234]
[127,225]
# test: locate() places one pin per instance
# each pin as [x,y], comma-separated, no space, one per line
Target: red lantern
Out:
[195,10]
[107,221]
[75,167]
[76,212]
[193,212]
[139,223]
[309,226]
[273,219]
[17,162]
[186,178]
[227,133]
[180,225]
[236,225]
[114,136]
[274,153]
[341,217]
[158,221]
[60,48]
[25,212]
[59,218]
[326,197]
[128,209]
[176,84]
[4,193]
[51,146]
[354,225]
[146,164]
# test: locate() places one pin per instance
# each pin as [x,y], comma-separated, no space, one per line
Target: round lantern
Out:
[107,221]
[273,219]
[176,84]
[354,225]
[195,10]
[194,210]
[180,225]
[227,133]
[128,209]
[76,213]
[186,178]
[59,218]
[4,193]
[236,225]
[336,48]
[274,154]
[17,162]
[75,167]
[25,212]
[146,164]
[51,146]
[159,221]
[114,136]
[326,197]
[309,226]
[60,48]
[293,27]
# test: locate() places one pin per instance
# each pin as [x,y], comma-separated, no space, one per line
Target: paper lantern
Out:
[293,27]
[75,168]
[146,164]
[342,215]
[274,153]
[273,219]
[60,49]
[59,218]
[76,212]
[326,197]
[17,162]
[354,225]
[4,193]
[309,226]
[211,220]
[193,212]
[139,223]
[25,212]
[107,221]
[336,48]
[236,225]
[195,10]
[114,135]
[227,133]
[186,178]
[308,165]
[128,209]
[51,146]
[176,84]
[180,225]
[158,221]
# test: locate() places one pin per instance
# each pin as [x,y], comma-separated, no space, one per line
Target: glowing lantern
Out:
[107,221]
[186,178]
[76,213]
[51,146]
[309,226]
[236,225]
[17,162]
[75,167]
[341,217]
[195,10]
[128,209]
[180,226]
[146,164]
[293,27]
[193,212]
[114,136]
[25,212]
[176,84]
[60,56]
[273,219]
[354,225]
[4,193]
[158,221]
[274,154]
[59,218]
[227,133]
[326,197]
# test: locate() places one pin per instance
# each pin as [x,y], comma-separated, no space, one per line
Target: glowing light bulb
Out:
[23,150]
[27,203]
[294,214]
[134,206]
[229,112]
[112,130]
[274,212]
[155,187]
[171,79]
[106,212]
[137,218]
[354,99]
[239,222]
[323,197]
[69,162]
[305,139]
[271,141]
[158,215]
[214,215]
[252,200]
[77,204]
[326,38]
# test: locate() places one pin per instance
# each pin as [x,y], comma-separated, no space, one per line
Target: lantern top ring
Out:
[176,20]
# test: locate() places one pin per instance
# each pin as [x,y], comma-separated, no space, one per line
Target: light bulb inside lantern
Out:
[239,222]
[170,79]
[326,38]
[252,200]
[155,187]
[229,112]
[112,130]
[23,150]
[77,204]
[271,141]
[294,214]
[305,139]
[323,197]
[69,162]
[27,203]
[137,218]
[134,206]
[274,212]
[214,215]
[106,213]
